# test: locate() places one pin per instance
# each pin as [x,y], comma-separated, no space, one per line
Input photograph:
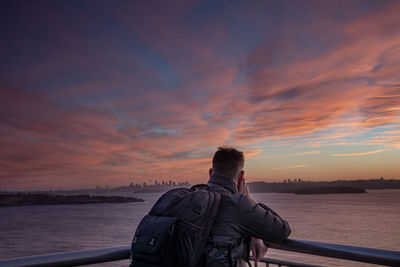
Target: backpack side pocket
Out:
[151,245]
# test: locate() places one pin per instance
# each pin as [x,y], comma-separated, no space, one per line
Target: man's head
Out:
[228,162]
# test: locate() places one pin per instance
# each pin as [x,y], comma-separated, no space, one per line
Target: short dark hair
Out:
[228,161]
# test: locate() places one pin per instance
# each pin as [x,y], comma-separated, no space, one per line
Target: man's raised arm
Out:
[261,221]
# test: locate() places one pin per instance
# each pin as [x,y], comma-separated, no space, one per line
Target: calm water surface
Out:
[370,220]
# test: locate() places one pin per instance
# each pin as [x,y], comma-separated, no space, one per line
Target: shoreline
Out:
[29,199]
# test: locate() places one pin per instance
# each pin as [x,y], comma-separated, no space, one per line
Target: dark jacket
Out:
[239,218]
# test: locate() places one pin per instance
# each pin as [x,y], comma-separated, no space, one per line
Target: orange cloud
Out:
[292,167]
[252,152]
[295,154]
[358,153]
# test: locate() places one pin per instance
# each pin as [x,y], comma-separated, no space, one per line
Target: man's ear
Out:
[210,172]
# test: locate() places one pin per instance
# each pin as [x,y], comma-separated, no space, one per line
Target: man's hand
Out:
[258,249]
[243,188]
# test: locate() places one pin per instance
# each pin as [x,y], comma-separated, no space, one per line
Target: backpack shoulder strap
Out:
[199,187]
[208,188]
[215,198]
[215,206]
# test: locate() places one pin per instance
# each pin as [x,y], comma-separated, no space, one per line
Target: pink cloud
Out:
[305,96]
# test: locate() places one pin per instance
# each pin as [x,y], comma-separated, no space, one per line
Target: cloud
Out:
[356,76]
[144,89]
[358,153]
[48,141]
[252,152]
[313,152]
[292,167]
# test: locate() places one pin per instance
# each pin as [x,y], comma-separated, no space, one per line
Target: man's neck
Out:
[223,181]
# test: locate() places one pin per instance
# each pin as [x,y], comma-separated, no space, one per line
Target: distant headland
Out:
[330,190]
[293,186]
[22,199]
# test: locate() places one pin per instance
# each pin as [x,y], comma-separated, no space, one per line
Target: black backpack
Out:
[176,229]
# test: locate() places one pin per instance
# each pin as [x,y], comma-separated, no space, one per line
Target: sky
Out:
[96,93]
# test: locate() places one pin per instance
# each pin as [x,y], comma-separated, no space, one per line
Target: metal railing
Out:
[84,257]
[279,263]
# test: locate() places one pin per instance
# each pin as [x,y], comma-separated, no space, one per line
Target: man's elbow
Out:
[286,230]
[283,234]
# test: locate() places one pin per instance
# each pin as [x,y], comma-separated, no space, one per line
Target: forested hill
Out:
[292,186]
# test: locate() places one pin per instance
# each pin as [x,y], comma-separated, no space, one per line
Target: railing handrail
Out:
[84,257]
[73,258]
[339,251]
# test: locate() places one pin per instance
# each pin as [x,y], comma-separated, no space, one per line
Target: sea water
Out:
[369,220]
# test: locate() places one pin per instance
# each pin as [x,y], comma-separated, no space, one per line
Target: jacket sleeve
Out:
[260,221]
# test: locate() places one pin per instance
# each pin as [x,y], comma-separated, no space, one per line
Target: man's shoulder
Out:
[242,201]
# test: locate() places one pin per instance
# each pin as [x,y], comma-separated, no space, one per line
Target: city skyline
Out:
[95,93]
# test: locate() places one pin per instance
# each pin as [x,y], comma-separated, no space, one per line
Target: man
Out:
[240,221]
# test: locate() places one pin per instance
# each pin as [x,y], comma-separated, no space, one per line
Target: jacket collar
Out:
[222,182]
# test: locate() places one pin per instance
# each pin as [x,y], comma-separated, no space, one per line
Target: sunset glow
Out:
[114,92]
